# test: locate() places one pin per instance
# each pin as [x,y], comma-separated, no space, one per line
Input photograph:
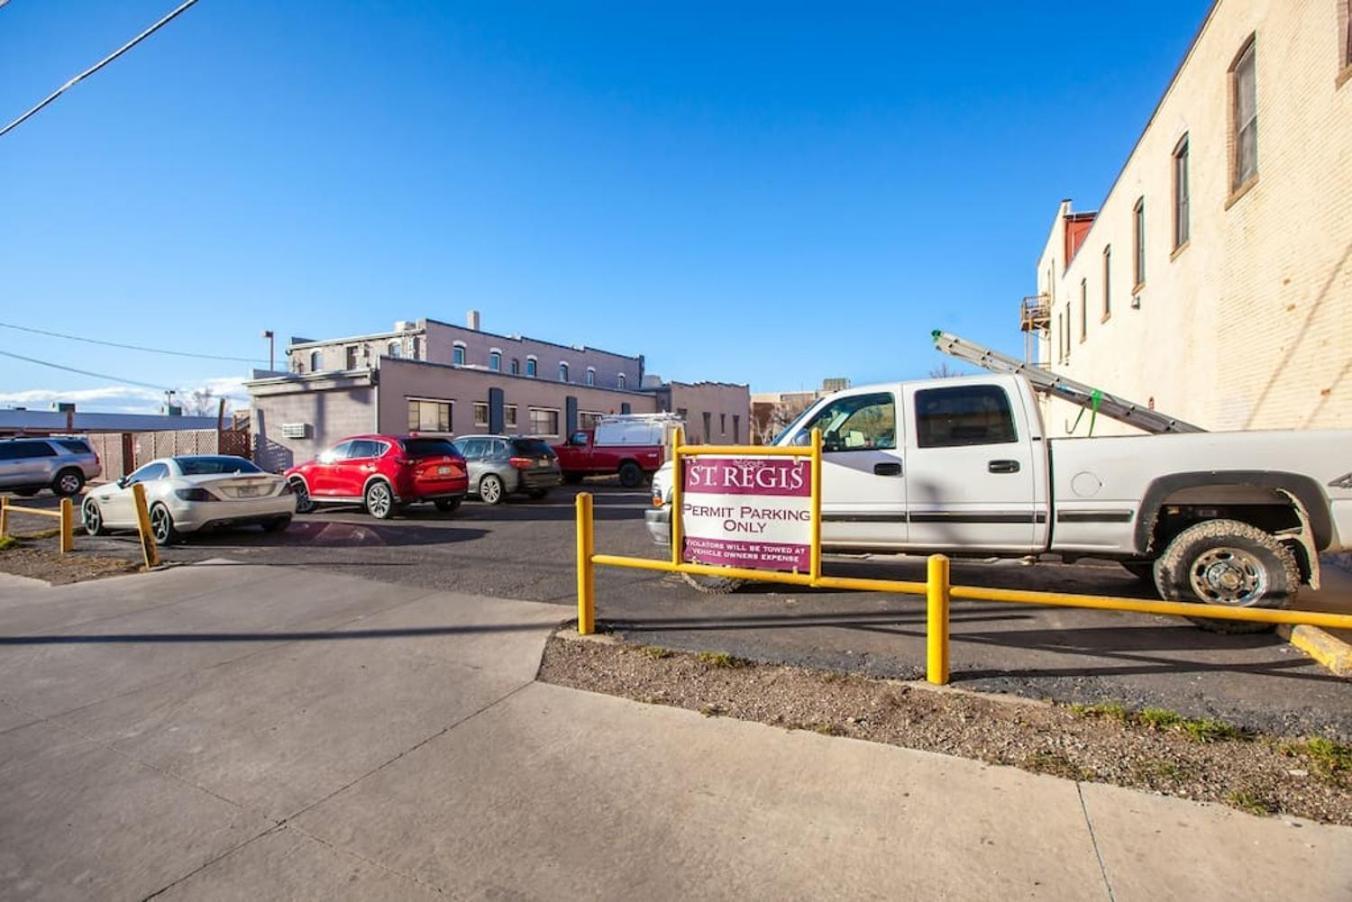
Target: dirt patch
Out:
[1152,749]
[37,557]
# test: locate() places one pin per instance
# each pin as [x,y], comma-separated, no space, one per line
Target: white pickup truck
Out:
[963,466]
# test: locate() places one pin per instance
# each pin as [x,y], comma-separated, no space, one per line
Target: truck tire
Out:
[1226,562]
[631,476]
[68,482]
[712,585]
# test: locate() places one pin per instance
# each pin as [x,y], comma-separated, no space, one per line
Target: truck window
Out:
[964,415]
[579,438]
[857,423]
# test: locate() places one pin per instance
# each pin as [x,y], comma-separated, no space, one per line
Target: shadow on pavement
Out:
[172,638]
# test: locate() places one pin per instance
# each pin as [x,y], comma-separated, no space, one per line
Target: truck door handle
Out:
[887,469]
[1003,466]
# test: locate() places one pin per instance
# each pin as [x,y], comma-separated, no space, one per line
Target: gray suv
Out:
[60,463]
[501,465]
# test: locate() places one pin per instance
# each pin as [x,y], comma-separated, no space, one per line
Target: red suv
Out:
[382,472]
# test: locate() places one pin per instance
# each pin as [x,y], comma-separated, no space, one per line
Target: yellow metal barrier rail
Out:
[937,588]
[66,516]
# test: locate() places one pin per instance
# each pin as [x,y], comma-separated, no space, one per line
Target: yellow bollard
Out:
[936,628]
[815,559]
[677,493]
[586,570]
[4,516]
[149,550]
[67,526]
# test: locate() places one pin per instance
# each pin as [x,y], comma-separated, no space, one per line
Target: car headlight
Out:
[195,495]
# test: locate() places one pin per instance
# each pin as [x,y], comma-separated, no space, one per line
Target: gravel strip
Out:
[1152,749]
[46,563]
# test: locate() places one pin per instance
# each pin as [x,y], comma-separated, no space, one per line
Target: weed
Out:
[1208,729]
[1109,710]
[1330,760]
[7,542]
[828,729]
[712,710]
[655,651]
[1056,764]
[1159,718]
[719,659]
[1158,769]
[1251,802]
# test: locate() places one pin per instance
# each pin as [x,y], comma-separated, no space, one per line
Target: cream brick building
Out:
[1216,279]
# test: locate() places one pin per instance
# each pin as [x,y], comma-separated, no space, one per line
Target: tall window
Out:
[495,361]
[736,428]
[480,415]
[516,366]
[619,381]
[563,372]
[530,367]
[1138,240]
[1060,338]
[350,357]
[1107,281]
[509,417]
[1181,218]
[316,361]
[1084,308]
[722,424]
[1067,339]
[591,375]
[1244,90]
[458,355]
[708,425]
[394,349]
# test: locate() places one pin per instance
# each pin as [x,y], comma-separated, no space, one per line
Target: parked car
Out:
[631,445]
[190,493]
[964,466]
[384,473]
[502,465]
[60,463]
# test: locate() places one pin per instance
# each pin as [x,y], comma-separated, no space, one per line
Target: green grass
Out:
[1202,729]
[1056,764]
[7,542]
[1251,802]
[655,651]
[1208,729]
[1109,710]
[1329,759]
[1158,718]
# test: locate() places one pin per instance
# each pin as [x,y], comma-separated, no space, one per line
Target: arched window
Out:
[516,366]
[395,350]
[563,372]
[591,375]
[316,361]
[458,354]
[495,361]
[530,367]
[620,381]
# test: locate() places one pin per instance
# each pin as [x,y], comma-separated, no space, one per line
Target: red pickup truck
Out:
[632,446]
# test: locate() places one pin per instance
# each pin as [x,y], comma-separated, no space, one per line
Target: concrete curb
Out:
[1332,653]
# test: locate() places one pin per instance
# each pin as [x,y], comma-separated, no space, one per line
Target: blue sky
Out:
[758,192]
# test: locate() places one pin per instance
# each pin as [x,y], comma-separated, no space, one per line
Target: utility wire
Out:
[71,369]
[114,344]
[97,66]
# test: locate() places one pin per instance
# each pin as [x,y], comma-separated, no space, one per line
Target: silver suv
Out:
[60,463]
[501,465]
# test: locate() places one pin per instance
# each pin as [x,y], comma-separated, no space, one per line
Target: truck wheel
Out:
[1226,562]
[712,585]
[68,482]
[631,477]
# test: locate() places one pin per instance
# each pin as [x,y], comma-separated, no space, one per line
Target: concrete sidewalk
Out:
[224,731]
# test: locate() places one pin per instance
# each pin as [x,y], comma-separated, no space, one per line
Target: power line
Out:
[71,369]
[97,66]
[125,347]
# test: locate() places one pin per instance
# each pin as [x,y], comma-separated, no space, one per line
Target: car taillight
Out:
[521,463]
[195,495]
[404,461]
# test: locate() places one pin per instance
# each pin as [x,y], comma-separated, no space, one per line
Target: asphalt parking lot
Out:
[525,550]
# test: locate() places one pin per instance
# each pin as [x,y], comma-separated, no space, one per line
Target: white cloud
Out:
[126,398]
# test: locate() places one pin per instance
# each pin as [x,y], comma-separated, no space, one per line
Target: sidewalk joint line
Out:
[1093,839]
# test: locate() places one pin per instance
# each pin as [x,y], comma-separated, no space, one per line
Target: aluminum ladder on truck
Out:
[1048,383]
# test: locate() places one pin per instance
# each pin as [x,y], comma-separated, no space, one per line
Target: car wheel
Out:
[490,490]
[631,477]
[93,518]
[68,482]
[304,503]
[446,505]
[162,526]
[1231,564]
[380,500]
[712,585]
[537,494]
[277,525]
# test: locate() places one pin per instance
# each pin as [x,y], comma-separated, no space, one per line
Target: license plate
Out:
[543,463]
[248,491]
[443,471]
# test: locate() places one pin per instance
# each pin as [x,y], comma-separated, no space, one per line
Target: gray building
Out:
[436,378]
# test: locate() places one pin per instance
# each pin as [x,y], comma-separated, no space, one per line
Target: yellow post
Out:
[815,567]
[586,570]
[149,550]
[677,480]
[67,526]
[936,629]
[4,516]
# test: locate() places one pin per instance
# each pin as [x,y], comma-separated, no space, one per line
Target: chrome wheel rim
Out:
[1229,576]
[490,489]
[160,523]
[303,502]
[69,484]
[93,519]
[378,500]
